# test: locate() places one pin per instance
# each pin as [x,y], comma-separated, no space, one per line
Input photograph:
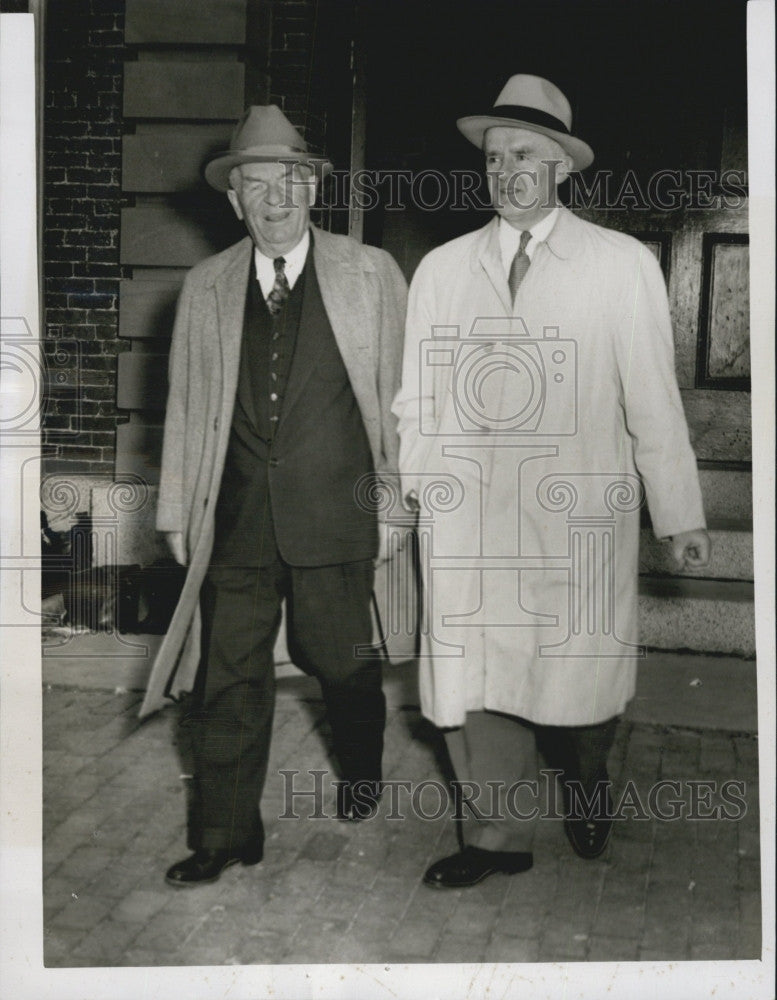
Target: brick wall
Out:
[82,199]
[292,46]
[309,71]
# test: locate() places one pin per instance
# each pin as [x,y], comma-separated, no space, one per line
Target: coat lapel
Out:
[230,288]
[486,255]
[564,241]
[567,238]
[341,281]
[342,284]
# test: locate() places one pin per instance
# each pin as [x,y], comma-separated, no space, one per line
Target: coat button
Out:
[205,503]
[215,423]
[273,463]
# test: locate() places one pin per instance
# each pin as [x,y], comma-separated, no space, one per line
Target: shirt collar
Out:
[509,237]
[295,263]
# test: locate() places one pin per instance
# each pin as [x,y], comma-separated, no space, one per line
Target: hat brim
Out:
[474,128]
[217,171]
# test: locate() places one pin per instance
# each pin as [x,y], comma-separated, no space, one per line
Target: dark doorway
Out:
[653,86]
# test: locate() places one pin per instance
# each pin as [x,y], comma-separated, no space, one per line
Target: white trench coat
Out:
[531,437]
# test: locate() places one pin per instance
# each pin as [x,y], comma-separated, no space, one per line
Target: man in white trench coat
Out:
[538,406]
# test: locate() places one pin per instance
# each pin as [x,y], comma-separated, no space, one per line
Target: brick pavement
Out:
[114,811]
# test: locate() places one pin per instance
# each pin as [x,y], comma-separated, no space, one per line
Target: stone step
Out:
[694,690]
[731,559]
[713,616]
[673,689]
[727,493]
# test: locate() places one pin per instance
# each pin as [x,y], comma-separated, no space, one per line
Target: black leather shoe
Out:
[358,800]
[589,836]
[473,864]
[206,865]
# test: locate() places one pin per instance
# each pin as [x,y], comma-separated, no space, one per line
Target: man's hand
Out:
[691,549]
[410,502]
[176,545]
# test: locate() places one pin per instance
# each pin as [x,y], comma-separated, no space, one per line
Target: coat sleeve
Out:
[171,507]
[414,403]
[654,413]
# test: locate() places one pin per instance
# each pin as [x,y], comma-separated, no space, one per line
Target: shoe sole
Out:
[518,870]
[193,883]
[436,884]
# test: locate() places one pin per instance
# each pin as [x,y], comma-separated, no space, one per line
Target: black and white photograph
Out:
[387,455]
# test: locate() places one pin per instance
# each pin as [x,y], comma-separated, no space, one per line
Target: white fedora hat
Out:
[263,135]
[535,104]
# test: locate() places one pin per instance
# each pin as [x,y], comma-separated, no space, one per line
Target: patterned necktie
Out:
[520,264]
[280,289]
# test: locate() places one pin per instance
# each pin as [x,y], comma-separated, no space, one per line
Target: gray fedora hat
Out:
[263,135]
[535,104]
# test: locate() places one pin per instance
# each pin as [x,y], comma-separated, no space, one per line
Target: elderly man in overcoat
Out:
[285,359]
[538,401]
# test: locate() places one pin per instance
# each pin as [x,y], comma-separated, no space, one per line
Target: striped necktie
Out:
[280,289]
[520,264]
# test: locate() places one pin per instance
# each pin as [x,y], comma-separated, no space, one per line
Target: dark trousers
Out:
[496,755]
[328,613]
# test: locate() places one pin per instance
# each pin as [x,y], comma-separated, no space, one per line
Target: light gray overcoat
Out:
[541,425]
[364,294]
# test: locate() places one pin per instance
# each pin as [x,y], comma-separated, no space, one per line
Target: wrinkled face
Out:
[524,169]
[274,201]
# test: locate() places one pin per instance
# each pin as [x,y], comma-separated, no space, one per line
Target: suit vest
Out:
[297,444]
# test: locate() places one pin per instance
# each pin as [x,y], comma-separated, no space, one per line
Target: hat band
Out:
[288,152]
[531,115]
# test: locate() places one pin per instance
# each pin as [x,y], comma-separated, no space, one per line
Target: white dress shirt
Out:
[510,237]
[295,263]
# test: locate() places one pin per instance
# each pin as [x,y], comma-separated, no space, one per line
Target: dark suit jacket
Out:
[291,487]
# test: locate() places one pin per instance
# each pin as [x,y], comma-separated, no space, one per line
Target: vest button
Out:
[273,463]
[274,396]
